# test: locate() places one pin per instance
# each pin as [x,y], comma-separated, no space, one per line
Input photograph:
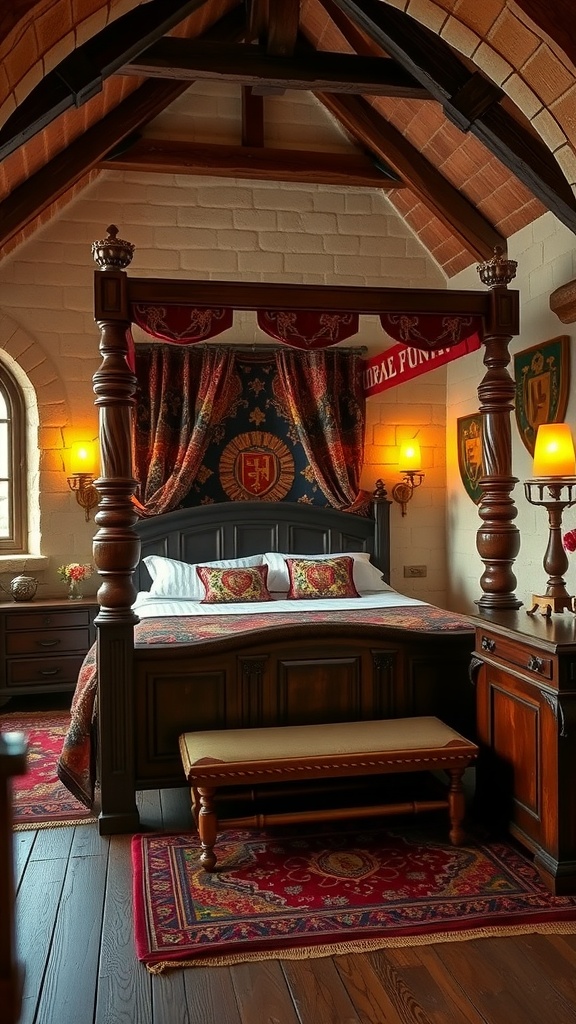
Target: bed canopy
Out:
[120,300]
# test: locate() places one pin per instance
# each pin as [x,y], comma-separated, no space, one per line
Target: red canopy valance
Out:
[431,330]
[305,329]
[181,325]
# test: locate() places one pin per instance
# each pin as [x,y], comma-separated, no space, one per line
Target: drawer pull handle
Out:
[535,664]
[49,671]
[48,643]
[488,644]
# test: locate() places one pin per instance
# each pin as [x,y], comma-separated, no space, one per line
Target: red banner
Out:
[401,363]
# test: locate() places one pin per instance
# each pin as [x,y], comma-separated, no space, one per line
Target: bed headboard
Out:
[238,528]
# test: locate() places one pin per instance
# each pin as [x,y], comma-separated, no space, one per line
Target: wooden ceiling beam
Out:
[69,166]
[62,172]
[259,163]
[256,19]
[283,21]
[452,208]
[80,75]
[358,40]
[316,71]
[252,118]
[435,65]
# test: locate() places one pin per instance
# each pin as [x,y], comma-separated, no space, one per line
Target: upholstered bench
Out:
[246,757]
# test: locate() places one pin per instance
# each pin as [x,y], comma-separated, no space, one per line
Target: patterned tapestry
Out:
[255,452]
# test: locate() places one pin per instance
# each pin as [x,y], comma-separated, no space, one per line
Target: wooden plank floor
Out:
[74,922]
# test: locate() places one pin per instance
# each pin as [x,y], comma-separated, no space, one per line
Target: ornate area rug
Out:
[300,893]
[40,800]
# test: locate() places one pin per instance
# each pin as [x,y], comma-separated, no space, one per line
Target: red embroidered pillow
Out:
[331,577]
[224,586]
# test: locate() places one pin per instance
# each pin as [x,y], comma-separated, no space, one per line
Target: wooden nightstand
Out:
[525,671]
[43,643]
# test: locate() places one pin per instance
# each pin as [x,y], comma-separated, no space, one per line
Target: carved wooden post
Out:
[498,540]
[116,546]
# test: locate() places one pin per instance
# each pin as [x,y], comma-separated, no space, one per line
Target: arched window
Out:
[13,509]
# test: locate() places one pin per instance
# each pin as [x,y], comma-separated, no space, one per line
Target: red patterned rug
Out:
[297,893]
[39,798]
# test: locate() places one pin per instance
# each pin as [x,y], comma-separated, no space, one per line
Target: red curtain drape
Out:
[324,395]
[183,395]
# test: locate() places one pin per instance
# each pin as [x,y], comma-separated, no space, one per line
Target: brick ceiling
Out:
[460,191]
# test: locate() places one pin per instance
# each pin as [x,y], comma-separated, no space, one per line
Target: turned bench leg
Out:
[207,827]
[456,806]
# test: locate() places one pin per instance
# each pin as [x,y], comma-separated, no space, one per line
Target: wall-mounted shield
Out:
[542,375]
[469,433]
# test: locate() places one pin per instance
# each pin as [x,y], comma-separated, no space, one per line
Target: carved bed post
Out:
[498,540]
[116,545]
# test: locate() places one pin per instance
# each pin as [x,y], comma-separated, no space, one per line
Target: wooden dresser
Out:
[524,668]
[43,643]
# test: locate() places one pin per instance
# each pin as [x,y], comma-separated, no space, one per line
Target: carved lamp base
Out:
[547,604]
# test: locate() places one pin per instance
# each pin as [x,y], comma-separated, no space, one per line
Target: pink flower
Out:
[569,540]
[75,571]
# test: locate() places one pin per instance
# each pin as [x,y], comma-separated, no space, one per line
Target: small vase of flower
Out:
[74,575]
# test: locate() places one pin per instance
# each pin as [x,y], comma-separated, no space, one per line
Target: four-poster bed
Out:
[351,665]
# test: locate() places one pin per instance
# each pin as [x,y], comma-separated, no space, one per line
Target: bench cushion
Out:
[402,740]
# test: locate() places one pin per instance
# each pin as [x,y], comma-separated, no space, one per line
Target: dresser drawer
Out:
[42,672]
[67,618]
[530,659]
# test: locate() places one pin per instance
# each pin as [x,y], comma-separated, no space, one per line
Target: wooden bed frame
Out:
[147,696]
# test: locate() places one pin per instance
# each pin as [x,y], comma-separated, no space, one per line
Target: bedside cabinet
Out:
[43,643]
[525,672]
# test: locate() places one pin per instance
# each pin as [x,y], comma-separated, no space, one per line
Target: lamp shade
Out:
[554,451]
[83,457]
[410,458]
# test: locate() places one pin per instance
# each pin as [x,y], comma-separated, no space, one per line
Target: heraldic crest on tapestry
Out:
[469,431]
[542,375]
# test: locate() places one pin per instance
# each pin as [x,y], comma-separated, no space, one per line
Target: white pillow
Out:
[367,578]
[171,578]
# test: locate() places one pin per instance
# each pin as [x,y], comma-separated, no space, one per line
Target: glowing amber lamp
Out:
[410,459]
[554,451]
[83,458]
[82,471]
[409,463]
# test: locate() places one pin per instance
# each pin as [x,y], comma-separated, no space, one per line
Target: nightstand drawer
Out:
[68,618]
[47,642]
[42,672]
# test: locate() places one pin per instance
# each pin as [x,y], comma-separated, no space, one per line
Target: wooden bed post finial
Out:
[112,253]
[498,271]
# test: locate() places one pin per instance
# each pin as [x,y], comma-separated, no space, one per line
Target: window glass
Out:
[12,464]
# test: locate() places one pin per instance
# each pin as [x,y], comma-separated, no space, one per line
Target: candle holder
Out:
[554,494]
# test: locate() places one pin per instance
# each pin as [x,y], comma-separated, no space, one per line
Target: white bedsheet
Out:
[149,607]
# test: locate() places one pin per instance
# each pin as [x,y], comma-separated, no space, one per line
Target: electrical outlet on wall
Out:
[415,570]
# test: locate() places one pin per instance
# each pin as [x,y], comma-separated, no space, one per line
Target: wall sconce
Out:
[81,479]
[409,464]
[553,487]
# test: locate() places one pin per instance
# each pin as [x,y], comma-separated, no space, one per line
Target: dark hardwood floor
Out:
[74,922]
[75,939]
